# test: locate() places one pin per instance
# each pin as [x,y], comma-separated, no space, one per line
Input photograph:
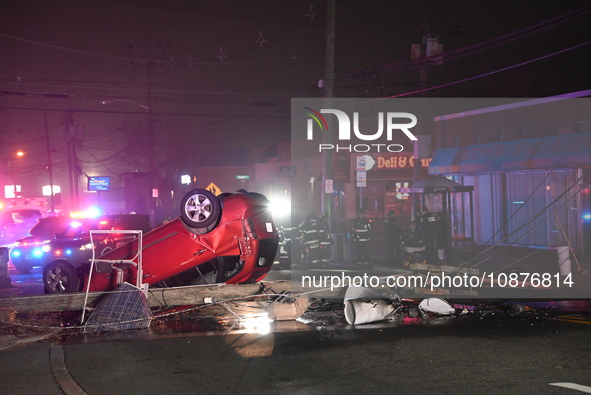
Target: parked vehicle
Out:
[18,215]
[230,238]
[15,224]
[62,243]
[28,251]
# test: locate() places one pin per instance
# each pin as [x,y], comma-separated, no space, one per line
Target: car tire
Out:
[60,277]
[200,209]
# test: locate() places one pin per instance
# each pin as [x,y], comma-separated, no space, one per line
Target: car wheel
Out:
[200,209]
[60,277]
[23,268]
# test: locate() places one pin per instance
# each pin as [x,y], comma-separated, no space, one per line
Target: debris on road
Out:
[124,309]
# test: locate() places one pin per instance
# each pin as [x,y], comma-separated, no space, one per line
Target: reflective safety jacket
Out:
[310,233]
[324,233]
[361,229]
[291,233]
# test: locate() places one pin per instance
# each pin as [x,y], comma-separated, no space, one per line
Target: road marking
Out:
[577,320]
[573,386]
[61,373]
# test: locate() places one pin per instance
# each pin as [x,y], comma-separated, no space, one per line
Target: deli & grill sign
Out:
[399,162]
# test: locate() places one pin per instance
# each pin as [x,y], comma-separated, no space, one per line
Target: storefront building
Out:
[529,163]
[382,191]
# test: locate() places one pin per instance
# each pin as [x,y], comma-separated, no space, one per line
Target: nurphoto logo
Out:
[395,122]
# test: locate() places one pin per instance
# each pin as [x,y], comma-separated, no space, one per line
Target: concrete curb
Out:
[8,341]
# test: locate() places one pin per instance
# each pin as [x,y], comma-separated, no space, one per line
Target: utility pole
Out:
[159,200]
[49,166]
[326,199]
[150,149]
[73,173]
[429,47]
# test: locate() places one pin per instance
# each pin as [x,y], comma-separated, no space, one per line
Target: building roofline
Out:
[502,107]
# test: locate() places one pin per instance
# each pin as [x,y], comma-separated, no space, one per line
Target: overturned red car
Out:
[229,238]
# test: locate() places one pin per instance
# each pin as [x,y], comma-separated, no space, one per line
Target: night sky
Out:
[214,78]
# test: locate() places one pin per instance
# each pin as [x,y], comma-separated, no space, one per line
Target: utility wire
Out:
[491,72]
[497,41]
[162,62]
[540,213]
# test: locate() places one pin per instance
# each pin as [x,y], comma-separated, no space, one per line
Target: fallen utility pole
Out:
[188,296]
[157,297]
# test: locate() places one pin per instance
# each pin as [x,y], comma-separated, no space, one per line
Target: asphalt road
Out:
[468,355]
[546,350]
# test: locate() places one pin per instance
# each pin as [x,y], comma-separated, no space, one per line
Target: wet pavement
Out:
[531,346]
[474,353]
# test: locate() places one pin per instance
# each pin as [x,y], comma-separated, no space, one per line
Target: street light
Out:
[12,194]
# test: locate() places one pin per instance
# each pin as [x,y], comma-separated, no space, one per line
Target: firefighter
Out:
[310,235]
[292,242]
[441,238]
[393,232]
[361,237]
[414,246]
[428,228]
[325,239]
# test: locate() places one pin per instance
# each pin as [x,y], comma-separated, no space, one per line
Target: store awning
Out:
[573,150]
[434,184]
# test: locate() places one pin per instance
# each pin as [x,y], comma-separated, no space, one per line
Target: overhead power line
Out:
[491,72]
[188,63]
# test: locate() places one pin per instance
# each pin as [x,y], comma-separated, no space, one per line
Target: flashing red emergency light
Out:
[92,212]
